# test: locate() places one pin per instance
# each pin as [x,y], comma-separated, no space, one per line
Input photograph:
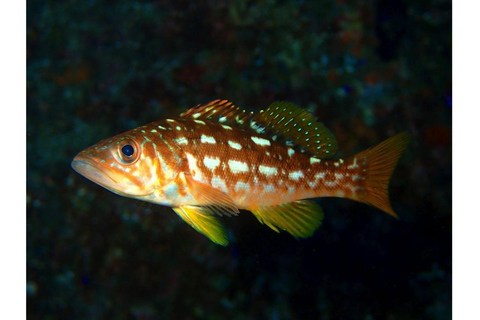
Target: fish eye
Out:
[128,150]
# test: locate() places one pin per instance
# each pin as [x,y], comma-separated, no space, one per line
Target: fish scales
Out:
[216,159]
[258,169]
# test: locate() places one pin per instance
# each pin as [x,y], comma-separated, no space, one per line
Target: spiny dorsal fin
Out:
[299,218]
[222,111]
[283,120]
[287,120]
[204,222]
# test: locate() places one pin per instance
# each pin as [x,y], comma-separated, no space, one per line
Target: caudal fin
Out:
[379,163]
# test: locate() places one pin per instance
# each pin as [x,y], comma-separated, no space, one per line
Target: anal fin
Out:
[204,222]
[300,218]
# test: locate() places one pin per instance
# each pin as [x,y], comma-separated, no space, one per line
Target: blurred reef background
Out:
[367,69]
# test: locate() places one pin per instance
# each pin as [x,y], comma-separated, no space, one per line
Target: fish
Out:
[216,159]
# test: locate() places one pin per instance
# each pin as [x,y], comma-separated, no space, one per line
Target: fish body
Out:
[216,159]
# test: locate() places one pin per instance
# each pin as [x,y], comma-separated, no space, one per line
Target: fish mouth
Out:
[93,171]
[99,174]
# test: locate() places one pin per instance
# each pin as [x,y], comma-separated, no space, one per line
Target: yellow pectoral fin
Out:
[299,218]
[204,222]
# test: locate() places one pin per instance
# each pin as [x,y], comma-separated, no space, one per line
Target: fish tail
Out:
[378,165]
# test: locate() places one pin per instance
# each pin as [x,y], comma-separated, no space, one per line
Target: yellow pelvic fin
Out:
[204,222]
[299,218]
[289,121]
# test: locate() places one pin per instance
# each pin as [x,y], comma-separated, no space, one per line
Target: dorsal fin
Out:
[282,120]
[287,120]
[222,111]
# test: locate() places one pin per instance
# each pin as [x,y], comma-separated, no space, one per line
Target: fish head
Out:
[125,164]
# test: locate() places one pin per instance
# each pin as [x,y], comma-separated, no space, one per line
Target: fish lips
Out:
[93,171]
[101,175]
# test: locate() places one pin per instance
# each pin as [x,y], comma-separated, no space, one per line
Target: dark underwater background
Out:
[367,69]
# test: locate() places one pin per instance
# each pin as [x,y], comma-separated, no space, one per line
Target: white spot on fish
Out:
[260,141]
[268,171]
[257,128]
[192,163]
[153,131]
[291,152]
[242,186]
[178,128]
[314,160]
[207,139]
[237,166]
[199,121]
[234,145]
[320,175]
[313,184]
[136,173]
[211,163]
[181,140]
[219,183]
[295,175]
[268,188]
[153,171]
[161,128]
[171,191]
[226,127]
[354,164]
[338,176]
[330,183]
[170,120]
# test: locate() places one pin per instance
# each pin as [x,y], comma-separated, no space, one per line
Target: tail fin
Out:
[379,163]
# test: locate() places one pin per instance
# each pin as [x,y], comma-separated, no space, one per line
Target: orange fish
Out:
[216,159]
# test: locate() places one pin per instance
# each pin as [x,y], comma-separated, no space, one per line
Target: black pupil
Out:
[127,150]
